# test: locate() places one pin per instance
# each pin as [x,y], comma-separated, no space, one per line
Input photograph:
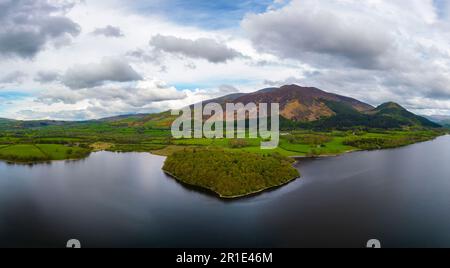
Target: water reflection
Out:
[400,197]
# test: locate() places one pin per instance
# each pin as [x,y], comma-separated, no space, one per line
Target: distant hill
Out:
[122,117]
[5,122]
[440,119]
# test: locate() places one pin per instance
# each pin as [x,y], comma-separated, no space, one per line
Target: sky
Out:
[86,59]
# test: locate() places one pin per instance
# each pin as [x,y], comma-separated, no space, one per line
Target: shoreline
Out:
[234,197]
[213,192]
[26,163]
[151,152]
[328,155]
[361,150]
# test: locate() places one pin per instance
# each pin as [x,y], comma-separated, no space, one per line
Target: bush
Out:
[309,139]
[238,143]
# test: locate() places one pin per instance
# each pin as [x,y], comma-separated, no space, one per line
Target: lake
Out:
[400,197]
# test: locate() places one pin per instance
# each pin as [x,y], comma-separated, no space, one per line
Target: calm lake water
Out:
[400,196]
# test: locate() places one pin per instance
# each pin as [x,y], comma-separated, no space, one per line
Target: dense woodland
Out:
[230,174]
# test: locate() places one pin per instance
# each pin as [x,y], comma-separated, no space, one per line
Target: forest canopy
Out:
[228,173]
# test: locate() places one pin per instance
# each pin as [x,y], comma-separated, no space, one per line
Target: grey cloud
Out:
[373,52]
[14,77]
[109,31]
[147,55]
[317,37]
[423,82]
[27,26]
[378,86]
[203,48]
[143,94]
[44,77]
[93,75]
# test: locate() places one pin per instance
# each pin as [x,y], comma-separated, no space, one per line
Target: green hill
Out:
[391,110]
[386,116]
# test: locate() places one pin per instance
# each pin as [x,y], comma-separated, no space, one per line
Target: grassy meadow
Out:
[45,141]
[41,152]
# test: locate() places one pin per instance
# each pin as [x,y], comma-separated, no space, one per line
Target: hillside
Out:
[396,112]
[302,104]
[312,108]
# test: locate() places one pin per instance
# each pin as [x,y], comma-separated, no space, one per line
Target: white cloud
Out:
[373,50]
[305,32]
[143,93]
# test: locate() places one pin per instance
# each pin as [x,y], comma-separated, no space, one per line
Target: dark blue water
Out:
[400,196]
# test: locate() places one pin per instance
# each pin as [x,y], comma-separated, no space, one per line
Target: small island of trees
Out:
[230,174]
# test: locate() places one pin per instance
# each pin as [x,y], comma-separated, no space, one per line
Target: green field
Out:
[41,152]
[306,143]
[29,148]
[59,152]
[43,141]
[22,153]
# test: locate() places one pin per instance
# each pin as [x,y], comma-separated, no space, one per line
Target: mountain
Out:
[304,104]
[312,108]
[396,112]
[300,107]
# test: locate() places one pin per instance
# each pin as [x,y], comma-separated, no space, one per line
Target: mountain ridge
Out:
[300,107]
[310,107]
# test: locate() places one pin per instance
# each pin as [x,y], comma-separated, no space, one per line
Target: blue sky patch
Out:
[440,6]
[7,97]
[12,96]
[210,14]
[212,84]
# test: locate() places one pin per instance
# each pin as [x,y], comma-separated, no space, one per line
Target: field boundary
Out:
[42,151]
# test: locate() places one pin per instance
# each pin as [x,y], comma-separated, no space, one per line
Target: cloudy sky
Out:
[85,59]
